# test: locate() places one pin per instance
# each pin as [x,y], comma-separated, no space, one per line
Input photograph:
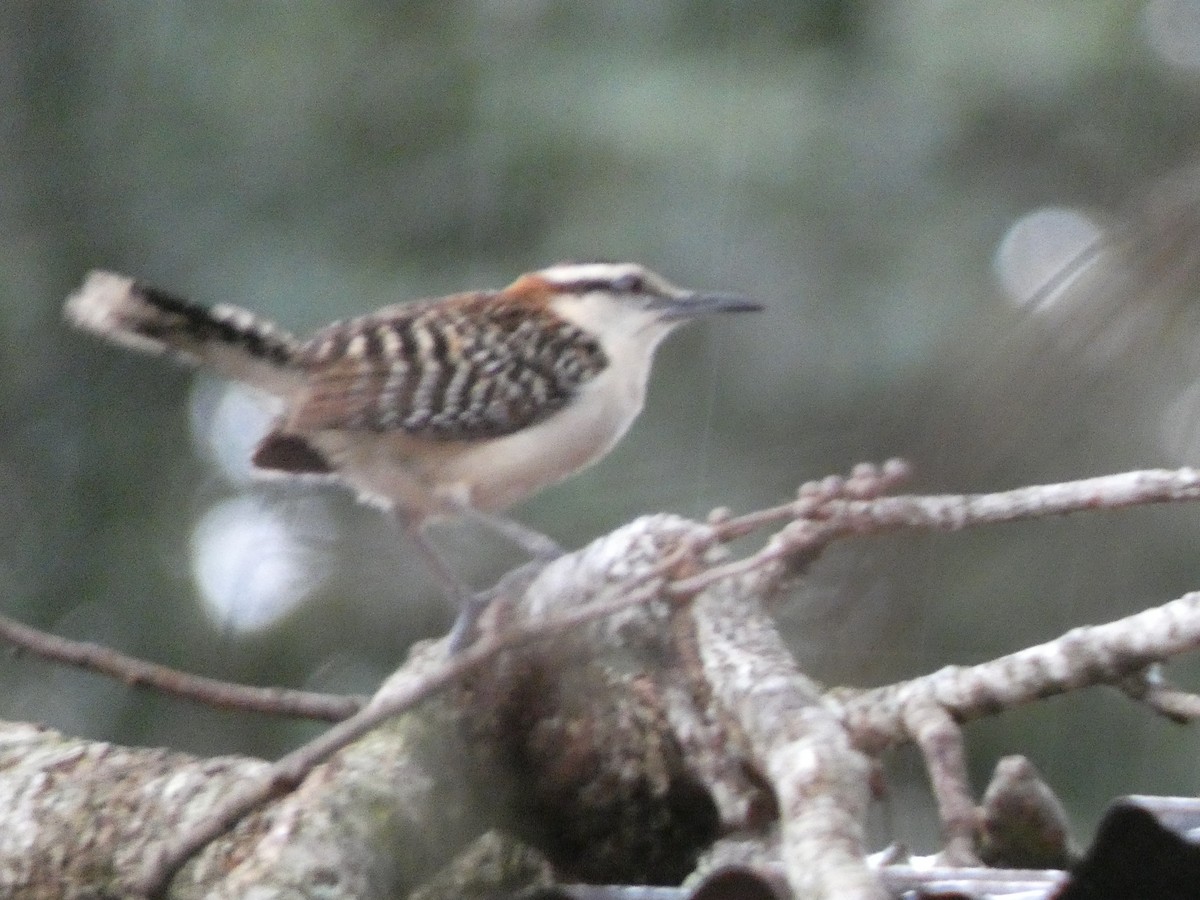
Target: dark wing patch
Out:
[464,369]
[282,452]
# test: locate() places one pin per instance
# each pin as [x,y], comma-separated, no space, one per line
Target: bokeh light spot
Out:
[255,561]
[228,419]
[1043,253]
[1172,29]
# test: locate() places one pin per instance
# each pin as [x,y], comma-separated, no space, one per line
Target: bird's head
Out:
[617,301]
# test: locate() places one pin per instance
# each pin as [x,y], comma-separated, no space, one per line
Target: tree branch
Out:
[665,711]
[1083,657]
[209,691]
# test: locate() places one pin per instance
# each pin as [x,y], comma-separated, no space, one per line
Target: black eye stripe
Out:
[629,284]
[624,284]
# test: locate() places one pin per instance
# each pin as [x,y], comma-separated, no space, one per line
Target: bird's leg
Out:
[468,604]
[532,541]
[541,548]
[456,501]
[455,588]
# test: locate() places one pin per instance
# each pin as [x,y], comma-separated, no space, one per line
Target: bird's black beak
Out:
[690,306]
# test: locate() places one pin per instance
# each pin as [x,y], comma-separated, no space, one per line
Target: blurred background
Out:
[975,226]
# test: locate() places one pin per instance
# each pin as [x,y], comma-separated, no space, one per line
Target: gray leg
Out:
[467,604]
[456,589]
[532,541]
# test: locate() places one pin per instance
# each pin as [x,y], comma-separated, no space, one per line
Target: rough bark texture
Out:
[82,817]
[619,747]
[603,748]
[593,736]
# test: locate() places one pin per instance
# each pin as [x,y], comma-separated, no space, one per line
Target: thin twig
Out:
[940,740]
[1151,688]
[1083,657]
[953,512]
[824,513]
[221,694]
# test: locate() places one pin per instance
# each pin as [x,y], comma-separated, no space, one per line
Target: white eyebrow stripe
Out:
[577,272]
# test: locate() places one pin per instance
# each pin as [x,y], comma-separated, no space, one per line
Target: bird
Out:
[460,406]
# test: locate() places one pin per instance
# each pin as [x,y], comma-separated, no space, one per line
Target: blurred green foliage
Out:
[852,164]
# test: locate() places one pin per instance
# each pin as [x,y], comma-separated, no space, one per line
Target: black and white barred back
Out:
[464,368]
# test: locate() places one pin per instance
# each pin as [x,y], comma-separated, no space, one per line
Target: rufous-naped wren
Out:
[459,405]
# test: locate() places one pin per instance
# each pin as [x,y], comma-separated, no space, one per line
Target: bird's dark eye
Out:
[630,283]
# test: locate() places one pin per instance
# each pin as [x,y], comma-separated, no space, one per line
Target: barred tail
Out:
[232,342]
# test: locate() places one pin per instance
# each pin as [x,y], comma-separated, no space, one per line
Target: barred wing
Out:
[468,368]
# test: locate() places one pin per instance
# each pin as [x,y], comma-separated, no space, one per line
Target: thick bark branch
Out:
[82,817]
[627,704]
